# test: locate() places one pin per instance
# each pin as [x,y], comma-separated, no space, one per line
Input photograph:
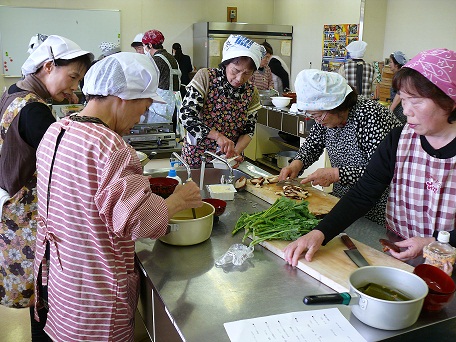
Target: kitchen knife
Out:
[291,181]
[353,252]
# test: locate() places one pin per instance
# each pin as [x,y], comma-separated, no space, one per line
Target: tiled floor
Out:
[15,326]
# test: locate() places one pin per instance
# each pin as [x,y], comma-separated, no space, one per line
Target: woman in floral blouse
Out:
[220,108]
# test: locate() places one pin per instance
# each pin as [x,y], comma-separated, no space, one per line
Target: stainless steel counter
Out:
[199,297]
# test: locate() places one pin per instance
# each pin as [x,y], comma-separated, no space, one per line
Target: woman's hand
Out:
[239,159]
[414,247]
[323,176]
[184,197]
[226,146]
[308,243]
[290,171]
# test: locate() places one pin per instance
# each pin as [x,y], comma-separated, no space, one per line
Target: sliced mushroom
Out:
[240,183]
[272,179]
[257,181]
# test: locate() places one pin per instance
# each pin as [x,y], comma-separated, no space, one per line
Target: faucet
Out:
[187,167]
[223,160]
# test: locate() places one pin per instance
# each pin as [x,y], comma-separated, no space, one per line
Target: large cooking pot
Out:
[284,158]
[379,313]
[265,96]
[185,230]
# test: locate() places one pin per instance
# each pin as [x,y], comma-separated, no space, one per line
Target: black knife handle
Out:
[348,242]
[333,298]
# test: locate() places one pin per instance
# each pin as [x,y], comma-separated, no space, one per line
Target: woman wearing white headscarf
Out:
[52,72]
[95,201]
[220,108]
[358,73]
[348,126]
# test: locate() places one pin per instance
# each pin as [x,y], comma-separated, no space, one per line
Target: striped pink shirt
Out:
[99,204]
[262,79]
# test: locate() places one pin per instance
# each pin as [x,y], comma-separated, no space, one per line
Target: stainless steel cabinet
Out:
[158,322]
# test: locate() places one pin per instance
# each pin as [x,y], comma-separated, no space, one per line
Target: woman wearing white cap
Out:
[348,126]
[137,43]
[416,162]
[52,72]
[220,108]
[95,201]
[396,60]
[359,74]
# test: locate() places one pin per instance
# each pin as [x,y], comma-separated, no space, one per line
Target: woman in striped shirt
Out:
[94,202]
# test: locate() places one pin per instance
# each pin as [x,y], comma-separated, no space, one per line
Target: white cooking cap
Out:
[320,90]
[36,41]
[54,47]
[356,48]
[138,38]
[238,46]
[127,75]
[109,48]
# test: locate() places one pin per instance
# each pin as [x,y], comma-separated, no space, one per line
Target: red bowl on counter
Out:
[441,287]
[219,205]
[291,95]
[163,186]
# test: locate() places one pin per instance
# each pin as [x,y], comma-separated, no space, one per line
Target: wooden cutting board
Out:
[320,202]
[331,266]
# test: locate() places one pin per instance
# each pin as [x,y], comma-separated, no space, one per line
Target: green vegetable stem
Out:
[286,219]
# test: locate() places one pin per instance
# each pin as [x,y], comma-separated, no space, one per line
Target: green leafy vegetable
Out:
[286,219]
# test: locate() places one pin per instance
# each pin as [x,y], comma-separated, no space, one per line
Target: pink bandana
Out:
[439,67]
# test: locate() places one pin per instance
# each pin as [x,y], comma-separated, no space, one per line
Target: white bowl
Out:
[280,101]
[142,158]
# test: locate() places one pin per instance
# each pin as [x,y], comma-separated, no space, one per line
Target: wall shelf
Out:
[268,164]
[279,141]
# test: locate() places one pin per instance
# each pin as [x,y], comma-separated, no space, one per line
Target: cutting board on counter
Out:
[331,266]
[320,202]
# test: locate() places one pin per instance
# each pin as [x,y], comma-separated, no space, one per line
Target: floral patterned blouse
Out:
[212,103]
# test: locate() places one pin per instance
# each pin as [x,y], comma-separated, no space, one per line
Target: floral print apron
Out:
[223,111]
[18,231]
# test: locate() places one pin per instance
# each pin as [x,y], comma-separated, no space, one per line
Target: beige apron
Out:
[163,112]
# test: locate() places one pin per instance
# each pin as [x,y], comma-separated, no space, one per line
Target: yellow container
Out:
[186,231]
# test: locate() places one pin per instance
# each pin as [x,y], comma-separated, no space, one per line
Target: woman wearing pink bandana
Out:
[417,161]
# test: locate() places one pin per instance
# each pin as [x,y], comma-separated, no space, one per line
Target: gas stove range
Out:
[150,137]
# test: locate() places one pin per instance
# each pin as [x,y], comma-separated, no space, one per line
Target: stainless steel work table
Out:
[184,296]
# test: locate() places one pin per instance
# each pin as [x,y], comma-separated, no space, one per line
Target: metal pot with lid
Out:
[374,311]
[284,158]
[265,96]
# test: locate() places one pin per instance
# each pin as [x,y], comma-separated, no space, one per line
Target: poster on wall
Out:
[335,39]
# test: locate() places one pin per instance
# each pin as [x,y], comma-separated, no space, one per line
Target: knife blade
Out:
[353,252]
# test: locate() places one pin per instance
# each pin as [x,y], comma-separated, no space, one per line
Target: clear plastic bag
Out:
[236,255]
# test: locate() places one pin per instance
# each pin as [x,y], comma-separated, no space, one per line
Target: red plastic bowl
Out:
[219,205]
[441,287]
[163,186]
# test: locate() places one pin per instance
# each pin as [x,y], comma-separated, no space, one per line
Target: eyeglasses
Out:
[317,116]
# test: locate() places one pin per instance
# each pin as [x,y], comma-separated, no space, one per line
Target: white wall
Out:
[308,18]
[416,25]
[389,25]
[174,18]
[374,28]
